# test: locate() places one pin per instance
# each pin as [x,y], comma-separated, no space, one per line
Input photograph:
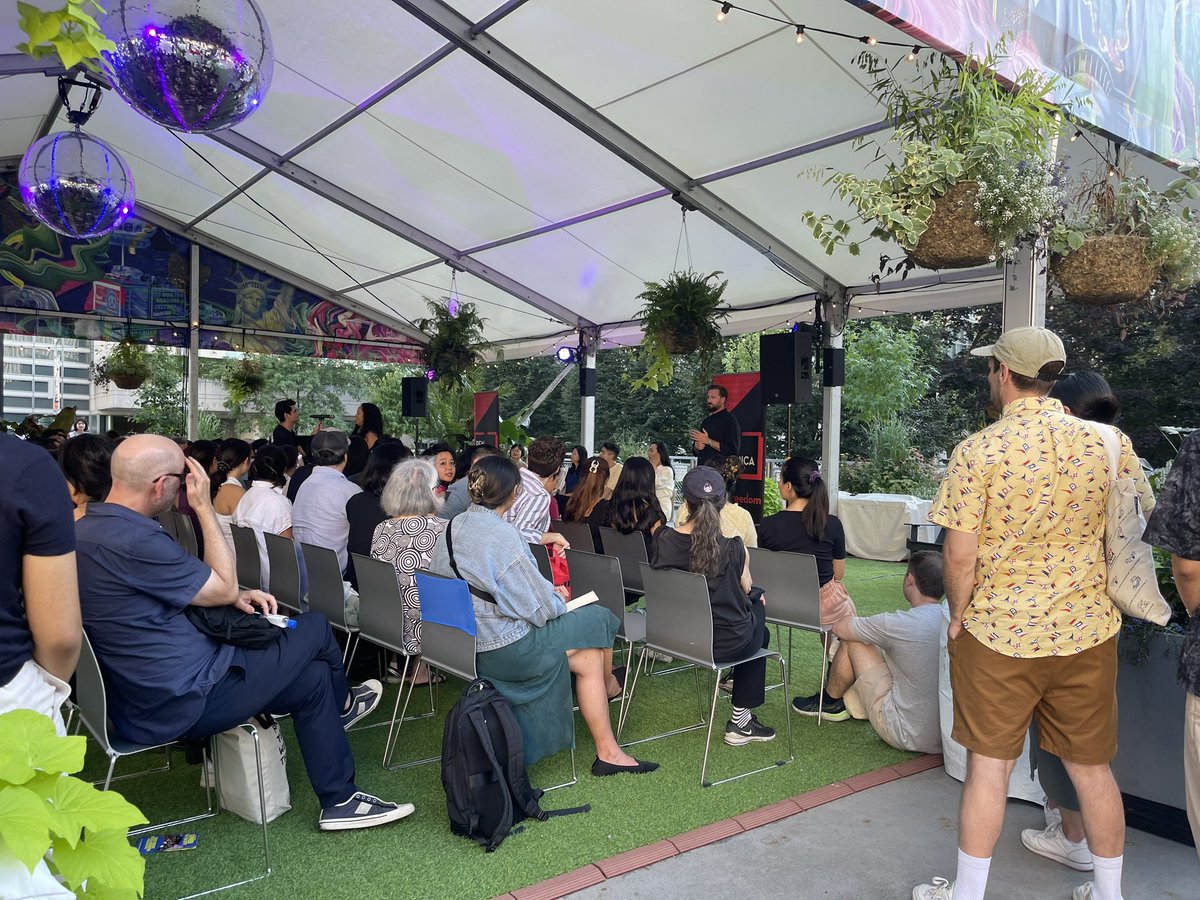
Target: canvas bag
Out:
[1132,581]
[235,764]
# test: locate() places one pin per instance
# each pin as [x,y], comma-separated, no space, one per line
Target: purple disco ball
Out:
[195,66]
[76,184]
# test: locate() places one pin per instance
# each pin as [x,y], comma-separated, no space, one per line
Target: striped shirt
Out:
[530,514]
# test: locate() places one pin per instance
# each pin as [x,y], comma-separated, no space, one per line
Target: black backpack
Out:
[483,769]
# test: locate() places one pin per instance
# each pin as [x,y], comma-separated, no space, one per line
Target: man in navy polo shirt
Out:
[165,679]
[39,606]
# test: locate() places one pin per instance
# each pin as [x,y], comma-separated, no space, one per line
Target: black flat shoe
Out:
[600,768]
[619,673]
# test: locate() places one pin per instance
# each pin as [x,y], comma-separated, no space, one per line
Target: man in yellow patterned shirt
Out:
[1031,627]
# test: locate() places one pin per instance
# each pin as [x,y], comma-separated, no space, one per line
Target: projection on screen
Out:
[1137,60]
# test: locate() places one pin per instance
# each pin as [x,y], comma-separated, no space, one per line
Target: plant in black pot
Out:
[456,341]
[680,315]
[126,367]
[244,379]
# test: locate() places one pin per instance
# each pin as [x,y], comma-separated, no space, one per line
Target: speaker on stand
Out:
[785,370]
[414,400]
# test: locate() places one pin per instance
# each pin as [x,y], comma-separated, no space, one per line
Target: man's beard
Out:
[711,407]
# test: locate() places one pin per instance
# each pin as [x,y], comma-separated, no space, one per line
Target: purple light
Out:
[254,101]
[151,31]
[565,355]
[431,374]
[452,307]
[124,210]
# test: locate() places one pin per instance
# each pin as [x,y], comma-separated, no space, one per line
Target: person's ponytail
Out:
[805,479]
[230,454]
[704,516]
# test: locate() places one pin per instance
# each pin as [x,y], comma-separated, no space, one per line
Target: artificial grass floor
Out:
[419,857]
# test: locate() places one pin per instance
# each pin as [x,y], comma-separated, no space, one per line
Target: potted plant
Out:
[456,341]
[126,367]
[974,177]
[1120,239]
[679,315]
[244,379]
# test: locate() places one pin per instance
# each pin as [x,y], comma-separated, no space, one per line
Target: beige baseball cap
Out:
[1031,351]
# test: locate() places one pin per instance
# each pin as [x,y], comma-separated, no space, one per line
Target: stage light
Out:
[723,11]
[565,355]
[799,34]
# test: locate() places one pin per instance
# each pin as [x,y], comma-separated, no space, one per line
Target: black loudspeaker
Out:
[834,370]
[414,394]
[785,366]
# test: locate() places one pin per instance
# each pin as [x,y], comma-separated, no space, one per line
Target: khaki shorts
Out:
[1074,697]
[874,687]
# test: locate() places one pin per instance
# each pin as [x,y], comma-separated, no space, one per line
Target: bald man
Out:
[165,679]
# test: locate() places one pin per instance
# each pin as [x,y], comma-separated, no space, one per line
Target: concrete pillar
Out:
[193,363]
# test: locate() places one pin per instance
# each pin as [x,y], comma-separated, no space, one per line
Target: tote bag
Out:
[236,764]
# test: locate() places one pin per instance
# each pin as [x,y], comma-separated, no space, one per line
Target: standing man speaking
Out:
[1032,630]
[720,434]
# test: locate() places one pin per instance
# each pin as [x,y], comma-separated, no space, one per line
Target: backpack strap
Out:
[475,715]
[523,793]
[475,591]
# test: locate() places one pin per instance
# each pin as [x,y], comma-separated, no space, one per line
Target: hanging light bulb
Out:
[869,39]
[1076,136]
[799,34]
[912,54]
[724,11]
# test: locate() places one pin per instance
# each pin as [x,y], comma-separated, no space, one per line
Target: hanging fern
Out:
[456,342]
[680,316]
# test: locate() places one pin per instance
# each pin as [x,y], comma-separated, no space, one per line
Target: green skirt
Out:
[533,676]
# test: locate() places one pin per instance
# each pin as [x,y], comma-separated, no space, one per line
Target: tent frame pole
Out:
[193,355]
[835,310]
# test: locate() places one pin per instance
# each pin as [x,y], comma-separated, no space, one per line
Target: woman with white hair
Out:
[406,540]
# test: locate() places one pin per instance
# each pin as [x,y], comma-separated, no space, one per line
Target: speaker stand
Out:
[789,431]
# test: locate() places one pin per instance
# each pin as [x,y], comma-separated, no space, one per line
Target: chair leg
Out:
[824,675]
[777,763]
[574,775]
[712,717]
[630,685]
[681,730]
[394,725]
[112,764]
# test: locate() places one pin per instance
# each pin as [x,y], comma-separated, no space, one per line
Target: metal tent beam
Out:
[482,47]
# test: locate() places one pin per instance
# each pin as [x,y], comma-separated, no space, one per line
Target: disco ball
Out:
[195,66]
[76,184]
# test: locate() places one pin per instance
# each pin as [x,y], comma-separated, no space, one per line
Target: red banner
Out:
[487,418]
[745,402]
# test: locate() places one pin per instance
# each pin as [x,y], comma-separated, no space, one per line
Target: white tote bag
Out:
[1132,582]
[235,763]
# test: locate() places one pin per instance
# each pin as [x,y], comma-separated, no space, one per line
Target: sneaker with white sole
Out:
[752,731]
[941,889]
[363,700]
[362,811]
[1051,843]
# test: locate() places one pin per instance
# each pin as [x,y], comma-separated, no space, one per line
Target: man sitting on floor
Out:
[900,690]
[165,679]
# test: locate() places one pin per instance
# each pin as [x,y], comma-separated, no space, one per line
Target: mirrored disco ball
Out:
[76,184]
[192,66]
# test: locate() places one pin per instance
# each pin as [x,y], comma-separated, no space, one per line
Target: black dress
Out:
[364,513]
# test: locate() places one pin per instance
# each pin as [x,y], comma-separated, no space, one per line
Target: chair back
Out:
[630,549]
[679,614]
[578,534]
[90,696]
[249,563]
[792,586]
[447,624]
[326,593]
[185,532]
[541,556]
[167,520]
[380,603]
[602,574]
[285,570]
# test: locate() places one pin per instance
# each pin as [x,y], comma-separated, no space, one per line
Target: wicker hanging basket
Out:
[688,342]
[1106,270]
[128,382]
[953,240]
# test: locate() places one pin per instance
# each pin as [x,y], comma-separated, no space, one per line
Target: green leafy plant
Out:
[772,499]
[71,33]
[42,807]
[956,122]
[680,315]
[456,341]
[244,380]
[893,465]
[32,427]
[126,367]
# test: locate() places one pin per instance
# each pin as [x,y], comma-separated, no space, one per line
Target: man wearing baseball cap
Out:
[1032,630]
[319,513]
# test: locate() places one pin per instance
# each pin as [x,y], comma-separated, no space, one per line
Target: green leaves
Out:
[25,824]
[70,33]
[102,856]
[682,309]
[456,342]
[29,745]
[77,805]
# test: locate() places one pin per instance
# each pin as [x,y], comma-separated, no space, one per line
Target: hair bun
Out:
[476,485]
[222,466]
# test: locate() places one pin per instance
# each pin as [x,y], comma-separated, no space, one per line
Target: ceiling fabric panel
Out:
[465,156]
[24,102]
[599,267]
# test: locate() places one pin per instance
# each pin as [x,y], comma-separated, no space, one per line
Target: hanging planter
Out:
[244,380]
[953,237]
[680,315]
[1107,269]
[456,341]
[126,366]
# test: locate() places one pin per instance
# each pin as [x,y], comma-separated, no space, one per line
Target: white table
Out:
[876,525]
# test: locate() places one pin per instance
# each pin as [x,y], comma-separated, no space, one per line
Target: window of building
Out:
[73,372]
[43,370]
[12,368]
[13,384]
[75,390]
[42,403]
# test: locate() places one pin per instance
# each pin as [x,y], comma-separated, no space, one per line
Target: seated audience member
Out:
[735,521]
[264,507]
[457,496]
[165,679]
[255,445]
[664,477]
[739,621]
[406,540]
[609,452]
[319,511]
[40,632]
[528,643]
[85,462]
[900,689]
[368,425]
[587,504]
[229,466]
[806,526]
[634,506]
[574,472]
[205,453]
[442,458]
[517,454]
[363,510]
[530,515]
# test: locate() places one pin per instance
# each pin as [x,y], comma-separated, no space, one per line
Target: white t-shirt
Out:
[266,509]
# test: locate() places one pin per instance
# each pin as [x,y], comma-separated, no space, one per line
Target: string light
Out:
[912,54]
[799,34]
[724,11]
[725,7]
[1076,136]
[869,39]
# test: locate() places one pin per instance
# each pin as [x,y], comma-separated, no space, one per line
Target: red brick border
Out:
[640,857]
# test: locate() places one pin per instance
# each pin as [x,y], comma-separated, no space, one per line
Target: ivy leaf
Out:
[104,892]
[1074,239]
[29,744]
[78,805]
[105,856]
[853,248]
[68,50]
[40,26]
[25,823]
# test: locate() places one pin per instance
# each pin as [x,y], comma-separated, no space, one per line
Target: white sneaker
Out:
[1053,814]
[1051,843]
[941,889]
